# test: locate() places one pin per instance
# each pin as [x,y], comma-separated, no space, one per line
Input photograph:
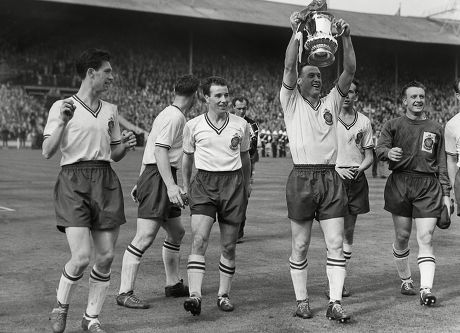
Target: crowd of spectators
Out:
[144,78]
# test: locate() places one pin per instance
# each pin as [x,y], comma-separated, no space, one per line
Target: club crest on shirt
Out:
[110,126]
[235,141]
[328,117]
[429,139]
[359,137]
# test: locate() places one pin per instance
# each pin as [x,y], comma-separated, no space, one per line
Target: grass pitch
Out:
[34,252]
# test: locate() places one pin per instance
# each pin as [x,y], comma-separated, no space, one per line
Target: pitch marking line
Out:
[6,209]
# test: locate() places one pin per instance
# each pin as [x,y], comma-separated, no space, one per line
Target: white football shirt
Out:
[452,136]
[353,139]
[167,131]
[216,149]
[311,128]
[89,134]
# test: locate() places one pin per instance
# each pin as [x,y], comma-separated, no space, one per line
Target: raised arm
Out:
[292,51]
[349,58]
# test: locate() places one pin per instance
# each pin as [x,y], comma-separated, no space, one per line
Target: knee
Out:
[175,236]
[229,250]
[402,237]
[299,249]
[104,260]
[199,244]
[425,239]
[334,245]
[144,240]
[80,261]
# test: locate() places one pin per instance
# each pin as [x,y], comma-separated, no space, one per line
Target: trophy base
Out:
[322,49]
[321,57]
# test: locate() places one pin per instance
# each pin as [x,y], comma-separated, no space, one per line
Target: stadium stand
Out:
[154,44]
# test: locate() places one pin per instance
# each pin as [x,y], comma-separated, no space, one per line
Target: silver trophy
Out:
[317,31]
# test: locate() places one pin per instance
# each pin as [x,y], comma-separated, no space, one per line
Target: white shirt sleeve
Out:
[451,142]
[53,119]
[287,94]
[115,135]
[189,140]
[368,141]
[246,139]
[168,132]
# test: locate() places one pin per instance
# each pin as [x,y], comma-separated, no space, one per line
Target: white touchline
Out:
[6,209]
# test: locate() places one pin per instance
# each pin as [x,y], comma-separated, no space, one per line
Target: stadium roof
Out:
[411,29]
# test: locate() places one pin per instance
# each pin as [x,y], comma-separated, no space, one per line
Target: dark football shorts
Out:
[357,194]
[411,194]
[88,194]
[457,191]
[220,193]
[152,195]
[315,191]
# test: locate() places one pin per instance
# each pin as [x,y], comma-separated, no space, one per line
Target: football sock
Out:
[98,286]
[67,284]
[171,261]
[129,268]
[427,266]
[401,258]
[336,273]
[195,272]
[299,273]
[226,272]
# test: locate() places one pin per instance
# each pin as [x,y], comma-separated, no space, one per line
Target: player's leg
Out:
[349,230]
[401,251]
[201,227]
[171,257]
[333,230]
[426,259]
[300,239]
[228,238]
[99,280]
[333,235]
[79,242]
[146,232]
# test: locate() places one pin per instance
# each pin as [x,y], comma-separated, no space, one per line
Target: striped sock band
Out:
[347,255]
[230,271]
[336,262]
[171,246]
[135,251]
[298,265]
[421,260]
[70,277]
[98,276]
[401,254]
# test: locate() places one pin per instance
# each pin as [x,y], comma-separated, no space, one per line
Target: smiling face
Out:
[218,99]
[310,82]
[414,100]
[102,78]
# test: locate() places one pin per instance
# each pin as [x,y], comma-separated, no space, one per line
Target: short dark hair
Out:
[186,85]
[212,80]
[91,58]
[413,83]
[240,99]
[456,84]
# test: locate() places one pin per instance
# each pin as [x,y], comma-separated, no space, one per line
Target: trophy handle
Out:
[338,34]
